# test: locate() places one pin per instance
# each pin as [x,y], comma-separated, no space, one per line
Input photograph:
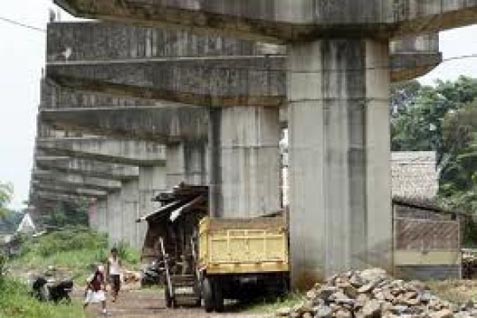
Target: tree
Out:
[444,119]
[458,177]
[6,192]
[67,214]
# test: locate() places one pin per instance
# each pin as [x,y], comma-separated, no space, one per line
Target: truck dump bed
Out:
[240,246]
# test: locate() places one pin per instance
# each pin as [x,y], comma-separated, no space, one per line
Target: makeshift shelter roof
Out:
[181,199]
[414,174]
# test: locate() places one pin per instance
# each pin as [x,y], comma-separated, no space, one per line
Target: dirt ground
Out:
[150,304]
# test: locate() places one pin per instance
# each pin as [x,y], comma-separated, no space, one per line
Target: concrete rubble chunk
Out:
[373,293]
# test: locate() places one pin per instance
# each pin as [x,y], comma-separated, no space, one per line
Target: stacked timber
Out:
[372,293]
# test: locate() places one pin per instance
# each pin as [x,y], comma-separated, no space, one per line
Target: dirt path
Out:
[150,304]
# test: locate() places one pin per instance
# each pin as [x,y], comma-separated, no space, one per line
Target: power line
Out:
[23,25]
[205,68]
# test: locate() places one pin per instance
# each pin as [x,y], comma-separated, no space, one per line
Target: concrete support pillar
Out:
[93,215]
[114,217]
[129,212]
[340,198]
[152,181]
[187,162]
[102,211]
[244,161]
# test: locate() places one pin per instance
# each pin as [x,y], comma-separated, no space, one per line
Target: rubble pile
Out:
[372,293]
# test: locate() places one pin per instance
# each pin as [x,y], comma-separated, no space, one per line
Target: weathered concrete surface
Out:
[244,161]
[180,67]
[129,213]
[105,114]
[340,179]
[116,213]
[152,181]
[132,152]
[68,190]
[293,20]
[290,20]
[78,180]
[55,197]
[87,168]
[187,162]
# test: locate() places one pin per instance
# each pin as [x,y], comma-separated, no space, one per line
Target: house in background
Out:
[427,238]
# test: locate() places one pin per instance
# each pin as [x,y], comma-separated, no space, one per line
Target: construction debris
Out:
[372,293]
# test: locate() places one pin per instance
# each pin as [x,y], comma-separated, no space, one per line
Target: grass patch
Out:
[15,302]
[73,252]
[271,306]
[456,291]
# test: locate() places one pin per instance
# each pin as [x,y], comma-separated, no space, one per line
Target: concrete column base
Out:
[152,181]
[129,212]
[187,162]
[340,177]
[244,161]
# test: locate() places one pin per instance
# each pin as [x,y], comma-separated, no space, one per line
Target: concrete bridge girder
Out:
[287,21]
[130,152]
[68,190]
[45,195]
[222,72]
[87,167]
[79,180]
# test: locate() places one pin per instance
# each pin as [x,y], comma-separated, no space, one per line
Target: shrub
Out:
[15,302]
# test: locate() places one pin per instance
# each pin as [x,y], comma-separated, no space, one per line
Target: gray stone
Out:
[324,312]
[372,309]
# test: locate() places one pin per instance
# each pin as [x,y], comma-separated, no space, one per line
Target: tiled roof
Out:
[414,174]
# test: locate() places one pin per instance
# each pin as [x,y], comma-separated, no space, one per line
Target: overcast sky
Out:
[22,58]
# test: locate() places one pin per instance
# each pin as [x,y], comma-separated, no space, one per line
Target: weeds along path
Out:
[150,304]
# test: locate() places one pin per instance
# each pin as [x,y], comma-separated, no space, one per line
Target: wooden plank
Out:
[431,258]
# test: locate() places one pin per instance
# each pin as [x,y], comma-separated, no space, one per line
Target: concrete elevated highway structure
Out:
[333,74]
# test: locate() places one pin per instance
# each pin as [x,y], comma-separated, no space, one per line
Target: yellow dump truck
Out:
[237,253]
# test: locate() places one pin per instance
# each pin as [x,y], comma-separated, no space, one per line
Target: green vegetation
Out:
[67,214]
[267,306]
[456,291]
[6,192]
[444,119]
[74,251]
[15,302]
[9,219]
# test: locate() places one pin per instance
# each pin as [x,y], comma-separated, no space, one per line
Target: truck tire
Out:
[208,295]
[219,296]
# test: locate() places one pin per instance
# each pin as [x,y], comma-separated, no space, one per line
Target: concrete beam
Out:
[44,195]
[68,190]
[294,20]
[76,180]
[179,67]
[87,168]
[103,114]
[140,153]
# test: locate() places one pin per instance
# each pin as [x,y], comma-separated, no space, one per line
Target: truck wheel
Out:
[208,295]
[219,296]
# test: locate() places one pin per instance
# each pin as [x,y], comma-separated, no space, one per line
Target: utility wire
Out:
[23,25]
[203,68]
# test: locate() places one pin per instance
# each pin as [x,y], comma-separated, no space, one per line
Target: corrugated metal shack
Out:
[427,240]
[175,221]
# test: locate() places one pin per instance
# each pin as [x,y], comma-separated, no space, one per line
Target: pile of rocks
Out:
[372,293]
